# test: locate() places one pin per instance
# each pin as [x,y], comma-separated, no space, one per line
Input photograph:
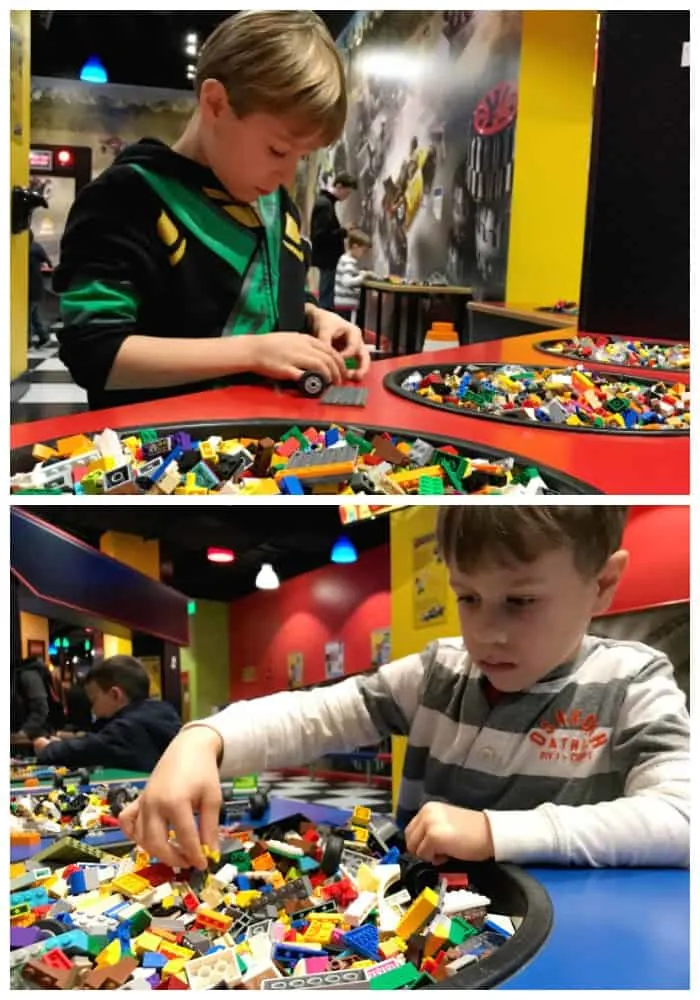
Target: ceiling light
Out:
[191,68]
[191,39]
[220,555]
[93,71]
[267,579]
[190,50]
[344,551]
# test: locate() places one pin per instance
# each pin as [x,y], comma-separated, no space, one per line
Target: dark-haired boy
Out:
[131,731]
[528,740]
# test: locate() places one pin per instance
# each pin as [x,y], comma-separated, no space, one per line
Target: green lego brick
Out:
[68,850]
[360,442]
[403,978]
[240,859]
[460,930]
[430,486]
[96,944]
[148,435]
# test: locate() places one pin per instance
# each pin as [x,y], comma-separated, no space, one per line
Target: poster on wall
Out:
[429,583]
[380,641]
[151,665]
[249,675]
[334,660]
[430,138]
[295,670]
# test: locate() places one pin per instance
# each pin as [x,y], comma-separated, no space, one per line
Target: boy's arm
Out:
[292,728]
[112,746]
[650,825]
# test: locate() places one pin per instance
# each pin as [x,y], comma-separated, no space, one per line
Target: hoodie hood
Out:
[154,155]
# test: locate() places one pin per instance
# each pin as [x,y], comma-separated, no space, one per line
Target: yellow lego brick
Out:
[211,855]
[146,941]
[208,452]
[364,963]
[174,967]
[278,462]
[110,955]
[131,885]
[175,951]
[23,920]
[17,869]
[277,880]
[231,446]
[404,447]
[360,834]
[245,898]
[573,421]
[40,452]
[361,816]
[259,488]
[133,443]
[411,475]
[392,946]
[418,914]
[78,444]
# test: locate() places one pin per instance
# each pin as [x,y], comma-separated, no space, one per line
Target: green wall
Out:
[206,659]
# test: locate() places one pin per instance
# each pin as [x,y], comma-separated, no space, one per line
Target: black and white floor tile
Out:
[318,791]
[51,391]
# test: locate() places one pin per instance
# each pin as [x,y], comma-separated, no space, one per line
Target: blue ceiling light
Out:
[93,71]
[344,551]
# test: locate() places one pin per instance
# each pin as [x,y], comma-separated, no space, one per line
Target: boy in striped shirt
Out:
[349,277]
[528,739]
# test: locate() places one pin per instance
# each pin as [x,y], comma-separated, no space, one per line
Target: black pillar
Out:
[637,246]
[15,626]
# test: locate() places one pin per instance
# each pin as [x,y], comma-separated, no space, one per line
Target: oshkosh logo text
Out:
[571,737]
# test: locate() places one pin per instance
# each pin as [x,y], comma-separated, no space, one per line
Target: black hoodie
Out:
[134,739]
[155,246]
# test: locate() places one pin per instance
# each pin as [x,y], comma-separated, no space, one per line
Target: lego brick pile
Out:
[295,906]
[625,353]
[338,461]
[563,397]
[65,809]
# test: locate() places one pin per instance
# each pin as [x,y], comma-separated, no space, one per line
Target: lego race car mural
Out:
[430,139]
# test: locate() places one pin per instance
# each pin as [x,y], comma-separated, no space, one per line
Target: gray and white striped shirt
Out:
[589,766]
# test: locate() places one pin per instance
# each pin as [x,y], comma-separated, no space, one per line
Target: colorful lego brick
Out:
[421,911]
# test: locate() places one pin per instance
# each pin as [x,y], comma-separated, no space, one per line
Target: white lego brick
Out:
[459,963]
[401,898]
[463,900]
[225,875]
[255,975]
[358,910]
[212,969]
[503,922]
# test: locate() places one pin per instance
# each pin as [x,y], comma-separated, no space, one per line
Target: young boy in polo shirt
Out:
[175,261]
[528,740]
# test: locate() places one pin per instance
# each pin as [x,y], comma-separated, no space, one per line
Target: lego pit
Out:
[570,399]
[604,350]
[276,460]
[288,905]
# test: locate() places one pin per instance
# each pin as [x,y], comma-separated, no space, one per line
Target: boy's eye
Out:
[468,599]
[277,153]
[520,602]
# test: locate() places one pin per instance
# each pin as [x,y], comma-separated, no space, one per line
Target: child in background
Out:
[349,277]
[529,740]
[132,730]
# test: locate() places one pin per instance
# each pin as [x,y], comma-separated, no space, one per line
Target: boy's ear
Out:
[608,580]
[213,100]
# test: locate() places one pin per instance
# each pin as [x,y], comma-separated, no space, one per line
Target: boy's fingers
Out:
[187,835]
[127,819]
[209,820]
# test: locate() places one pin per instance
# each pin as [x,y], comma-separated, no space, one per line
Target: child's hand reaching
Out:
[186,779]
[439,832]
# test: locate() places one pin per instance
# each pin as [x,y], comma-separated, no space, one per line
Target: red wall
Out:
[334,603]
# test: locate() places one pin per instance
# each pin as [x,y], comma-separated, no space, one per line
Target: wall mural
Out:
[430,138]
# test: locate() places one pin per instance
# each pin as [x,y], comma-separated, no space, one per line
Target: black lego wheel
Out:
[312,384]
[258,805]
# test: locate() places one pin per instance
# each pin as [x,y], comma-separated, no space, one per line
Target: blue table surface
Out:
[613,928]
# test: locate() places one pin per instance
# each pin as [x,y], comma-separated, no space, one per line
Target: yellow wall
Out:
[20,75]
[552,153]
[33,627]
[141,555]
[407,525]
[206,659]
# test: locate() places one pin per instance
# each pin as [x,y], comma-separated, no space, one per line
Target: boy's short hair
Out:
[356,238]
[468,536]
[125,672]
[346,181]
[278,62]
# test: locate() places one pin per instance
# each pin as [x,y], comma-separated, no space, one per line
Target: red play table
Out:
[613,463]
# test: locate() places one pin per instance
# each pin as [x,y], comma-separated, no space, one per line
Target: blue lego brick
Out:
[243,883]
[289,952]
[76,883]
[364,941]
[306,864]
[204,477]
[391,857]
[291,486]
[153,960]
[35,897]
[631,418]
[174,456]
[74,939]
[332,436]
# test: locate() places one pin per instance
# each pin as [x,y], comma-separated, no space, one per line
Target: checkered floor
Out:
[340,794]
[51,392]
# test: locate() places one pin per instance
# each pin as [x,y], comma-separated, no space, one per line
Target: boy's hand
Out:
[289,355]
[331,329]
[186,779]
[440,832]
[43,741]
